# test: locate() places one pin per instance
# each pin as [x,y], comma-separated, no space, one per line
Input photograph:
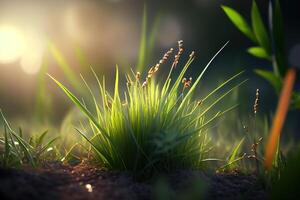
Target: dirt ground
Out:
[83,181]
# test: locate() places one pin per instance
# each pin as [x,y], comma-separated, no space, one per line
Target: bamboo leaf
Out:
[238,20]
[259,28]
[259,52]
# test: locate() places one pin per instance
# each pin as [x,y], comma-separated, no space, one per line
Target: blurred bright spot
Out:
[11,44]
[32,58]
[89,187]
[49,149]
[294,56]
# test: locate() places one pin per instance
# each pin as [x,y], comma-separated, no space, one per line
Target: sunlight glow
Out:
[32,58]
[11,44]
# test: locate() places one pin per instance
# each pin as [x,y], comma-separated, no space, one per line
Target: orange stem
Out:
[278,121]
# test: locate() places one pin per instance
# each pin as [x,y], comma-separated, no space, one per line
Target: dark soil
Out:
[58,181]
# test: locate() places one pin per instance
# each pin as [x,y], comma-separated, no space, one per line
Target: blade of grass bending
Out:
[102,90]
[190,92]
[222,85]
[48,145]
[215,102]
[218,114]
[234,161]
[215,90]
[222,97]
[80,105]
[235,151]
[203,127]
[93,97]
[68,152]
[41,138]
[92,144]
[179,78]
[279,118]
[83,108]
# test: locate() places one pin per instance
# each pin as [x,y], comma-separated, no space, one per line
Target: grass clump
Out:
[153,126]
[16,151]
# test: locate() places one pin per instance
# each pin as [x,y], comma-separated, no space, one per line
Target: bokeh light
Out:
[12,44]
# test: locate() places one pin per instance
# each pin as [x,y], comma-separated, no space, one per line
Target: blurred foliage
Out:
[42,110]
[147,42]
[268,45]
[287,186]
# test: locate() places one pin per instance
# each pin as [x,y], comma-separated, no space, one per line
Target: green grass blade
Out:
[40,139]
[81,106]
[235,151]
[190,92]
[221,86]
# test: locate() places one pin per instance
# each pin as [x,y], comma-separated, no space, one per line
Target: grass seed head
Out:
[192,54]
[179,53]
[256,103]
[138,76]
[156,67]
[187,82]
[199,103]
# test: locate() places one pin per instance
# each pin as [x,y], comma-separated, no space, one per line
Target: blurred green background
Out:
[66,38]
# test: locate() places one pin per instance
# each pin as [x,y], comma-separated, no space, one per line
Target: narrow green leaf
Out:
[41,138]
[235,151]
[221,86]
[81,106]
[259,28]
[92,144]
[190,92]
[238,20]
[259,52]
[46,146]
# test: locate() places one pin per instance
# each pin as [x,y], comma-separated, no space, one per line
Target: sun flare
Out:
[11,44]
